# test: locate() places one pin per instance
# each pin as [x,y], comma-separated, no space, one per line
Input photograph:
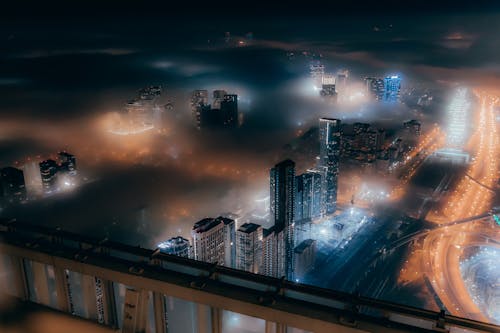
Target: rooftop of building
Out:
[249,227]
[206,224]
[225,220]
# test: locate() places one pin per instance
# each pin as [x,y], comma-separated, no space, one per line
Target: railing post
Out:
[62,290]
[269,327]
[20,280]
[280,328]
[216,315]
[89,297]
[160,312]
[109,303]
[40,283]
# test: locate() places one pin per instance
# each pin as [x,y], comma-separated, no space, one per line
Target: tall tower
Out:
[392,88]
[330,145]
[208,241]
[282,179]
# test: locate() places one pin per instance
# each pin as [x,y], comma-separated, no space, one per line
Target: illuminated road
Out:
[444,248]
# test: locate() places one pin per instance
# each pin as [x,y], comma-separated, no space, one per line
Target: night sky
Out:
[62,68]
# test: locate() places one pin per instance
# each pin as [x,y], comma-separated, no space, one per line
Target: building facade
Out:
[249,239]
[330,147]
[208,241]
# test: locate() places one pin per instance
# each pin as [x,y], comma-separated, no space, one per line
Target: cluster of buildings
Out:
[332,87]
[37,178]
[294,200]
[387,89]
[221,113]
[369,145]
[142,113]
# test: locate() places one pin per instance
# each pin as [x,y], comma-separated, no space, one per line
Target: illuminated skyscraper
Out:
[282,180]
[375,87]
[249,248]
[307,196]
[392,87]
[229,241]
[48,172]
[12,185]
[178,246]
[330,146]
[208,241]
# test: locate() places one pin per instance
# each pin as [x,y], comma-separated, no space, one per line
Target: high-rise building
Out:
[199,102]
[229,110]
[178,246]
[307,196]
[218,97]
[330,147]
[208,241]
[33,179]
[304,256]
[392,87]
[12,184]
[282,180]
[229,241]
[341,83]
[222,114]
[48,172]
[67,163]
[317,70]
[375,87]
[269,249]
[249,239]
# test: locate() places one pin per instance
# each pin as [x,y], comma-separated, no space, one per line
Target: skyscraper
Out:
[375,87]
[249,247]
[229,110]
[307,196]
[218,97]
[392,87]
[33,179]
[229,241]
[48,171]
[12,184]
[67,163]
[330,145]
[282,180]
[208,241]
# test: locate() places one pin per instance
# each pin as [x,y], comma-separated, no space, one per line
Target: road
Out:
[444,247]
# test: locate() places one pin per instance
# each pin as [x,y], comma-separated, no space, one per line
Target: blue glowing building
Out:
[392,85]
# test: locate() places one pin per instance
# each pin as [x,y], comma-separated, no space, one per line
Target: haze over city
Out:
[355,150]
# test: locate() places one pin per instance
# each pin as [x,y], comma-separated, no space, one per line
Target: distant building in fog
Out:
[67,163]
[249,247]
[222,113]
[48,172]
[33,179]
[375,87]
[12,185]
[178,246]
